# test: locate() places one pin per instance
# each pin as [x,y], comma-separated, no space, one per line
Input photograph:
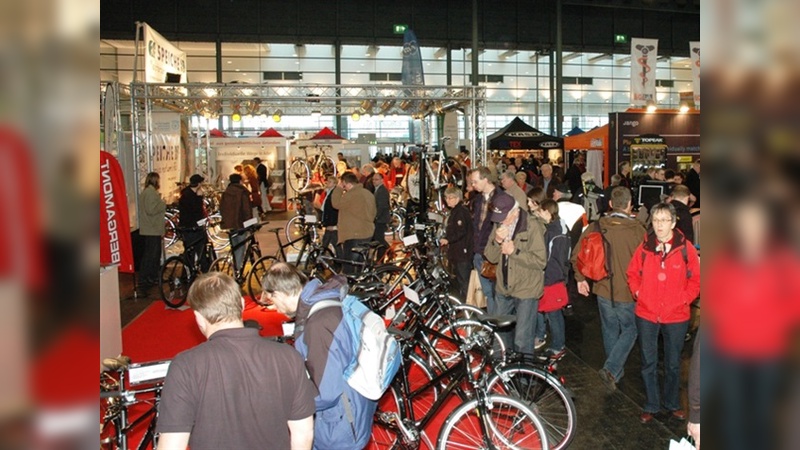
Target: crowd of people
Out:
[517,225]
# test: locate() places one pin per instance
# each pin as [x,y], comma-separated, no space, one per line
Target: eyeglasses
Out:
[662,220]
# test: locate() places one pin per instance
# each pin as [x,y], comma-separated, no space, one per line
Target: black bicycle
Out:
[242,271]
[179,272]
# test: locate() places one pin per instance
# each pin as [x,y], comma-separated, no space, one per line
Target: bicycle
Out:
[118,396]
[179,271]
[311,168]
[304,214]
[482,421]
[241,271]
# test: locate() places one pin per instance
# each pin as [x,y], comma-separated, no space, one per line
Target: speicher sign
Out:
[163,61]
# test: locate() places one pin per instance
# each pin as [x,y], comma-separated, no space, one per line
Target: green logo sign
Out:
[399,28]
[620,38]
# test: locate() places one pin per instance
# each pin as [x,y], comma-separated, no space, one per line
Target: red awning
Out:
[327,133]
[270,133]
[216,133]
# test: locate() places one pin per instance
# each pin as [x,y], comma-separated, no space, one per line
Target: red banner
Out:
[115,229]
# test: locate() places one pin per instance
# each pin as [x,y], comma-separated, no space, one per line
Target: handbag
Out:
[489,270]
[554,298]
[475,295]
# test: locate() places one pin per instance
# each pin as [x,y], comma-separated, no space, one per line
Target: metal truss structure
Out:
[212,100]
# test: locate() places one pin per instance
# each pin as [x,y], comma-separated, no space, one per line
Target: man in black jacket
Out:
[383,215]
[693,182]
[263,184]
[679,200]
[190,212]
[458,239]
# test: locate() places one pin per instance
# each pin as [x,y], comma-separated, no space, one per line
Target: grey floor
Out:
[606,420]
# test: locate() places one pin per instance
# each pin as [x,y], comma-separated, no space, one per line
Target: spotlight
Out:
[276,116]
[355,116]
[236,115]
[684,108]
[651,106]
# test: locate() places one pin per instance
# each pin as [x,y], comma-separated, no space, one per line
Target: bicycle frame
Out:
[119,419]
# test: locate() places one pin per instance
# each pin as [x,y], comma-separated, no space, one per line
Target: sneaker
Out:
[608,379]
[539,343]
[555,354]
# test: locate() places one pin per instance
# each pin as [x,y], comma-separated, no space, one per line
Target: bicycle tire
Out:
[170,235]
[320,264]
[176,276]
[257,271]
[418,374]
[508,422]
[293,230]
[487,340]
[223,264]
[545,395]
[299,175]
[327,167]
[395,227]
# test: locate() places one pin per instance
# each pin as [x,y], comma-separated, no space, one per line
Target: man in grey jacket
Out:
[152,209]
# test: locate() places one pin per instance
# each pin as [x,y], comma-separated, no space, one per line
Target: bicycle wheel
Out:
[395,227]
[170,236]
[299,175]
[295,228]
[326,168]
[257,271]
[384,428]
[502,423]
[175,279]
[320,264]
[544,394]
[394,278]
[215,233]
[223,264]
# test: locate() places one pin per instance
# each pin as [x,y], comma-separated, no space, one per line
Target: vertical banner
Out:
[644,56]
[166,139]
[115,230]
[694,53]
[163,62]
[412,73]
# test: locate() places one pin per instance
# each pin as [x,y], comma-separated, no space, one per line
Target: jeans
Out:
[673,334]
[238,253]
[556,321]
[331,240]
[525,329]
[487,286]
[541,327]
[265,198]
[618,325]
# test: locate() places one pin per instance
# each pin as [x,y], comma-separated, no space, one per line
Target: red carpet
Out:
[161,332]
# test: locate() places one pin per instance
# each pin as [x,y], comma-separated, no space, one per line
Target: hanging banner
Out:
[694,53]
[166,139]
[163,62]
[644,56]
[115,230]
[412,73]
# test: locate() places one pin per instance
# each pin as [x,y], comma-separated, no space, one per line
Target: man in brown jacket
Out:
[617,320]
[234,207]
[357,212]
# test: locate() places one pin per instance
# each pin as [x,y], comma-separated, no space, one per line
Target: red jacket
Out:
[662,290]
[752,309]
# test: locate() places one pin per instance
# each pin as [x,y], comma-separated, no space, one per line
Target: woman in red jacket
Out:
[664,278]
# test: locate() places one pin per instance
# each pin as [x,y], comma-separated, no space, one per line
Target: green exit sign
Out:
[620,38]
[399,28]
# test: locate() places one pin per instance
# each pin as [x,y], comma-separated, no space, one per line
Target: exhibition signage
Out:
[694,53]
[644,56]
[166,144]
[412,73]
[115,236]
[163,62]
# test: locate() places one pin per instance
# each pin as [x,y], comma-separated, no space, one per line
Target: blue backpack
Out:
[378,354]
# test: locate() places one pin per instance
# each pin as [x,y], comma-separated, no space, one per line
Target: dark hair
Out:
[620,197]
[550,206]
[669,174]
[349,178]
[235,178]
[537,194]
[152,179]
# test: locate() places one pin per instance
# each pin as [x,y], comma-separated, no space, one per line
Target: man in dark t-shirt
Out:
[237,390]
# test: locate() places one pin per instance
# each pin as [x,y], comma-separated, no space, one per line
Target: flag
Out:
[412,73]
[644,56]
[694,53]
[115,229]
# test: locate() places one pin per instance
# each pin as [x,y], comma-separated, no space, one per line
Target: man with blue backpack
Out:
[349,355]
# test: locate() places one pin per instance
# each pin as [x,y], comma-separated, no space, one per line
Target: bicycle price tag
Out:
[410,240]
[250,222]
[311,218]
[410,295]
[202,222]
[151,372]
[419,226]
[438,218]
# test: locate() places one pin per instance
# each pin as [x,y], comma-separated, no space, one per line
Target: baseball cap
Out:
[196,179]
[564,189]
[501,206]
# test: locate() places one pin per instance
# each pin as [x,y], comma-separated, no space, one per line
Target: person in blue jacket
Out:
[344,417]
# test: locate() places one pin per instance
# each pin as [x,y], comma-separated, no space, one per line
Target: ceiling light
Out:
[651,106]
[372,51]
[276,116]
[440,53]
[355,116]
[508,54]
[316,114]
[599,58]
[571,56]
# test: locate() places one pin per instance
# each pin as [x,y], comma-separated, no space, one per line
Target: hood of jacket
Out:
[315,290]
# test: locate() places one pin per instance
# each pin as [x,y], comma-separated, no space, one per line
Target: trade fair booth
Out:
[520,139]
[595,143]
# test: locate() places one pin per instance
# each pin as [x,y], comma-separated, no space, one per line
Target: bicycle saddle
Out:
[117,363]
[400,334]
[497,321]
[367,287]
